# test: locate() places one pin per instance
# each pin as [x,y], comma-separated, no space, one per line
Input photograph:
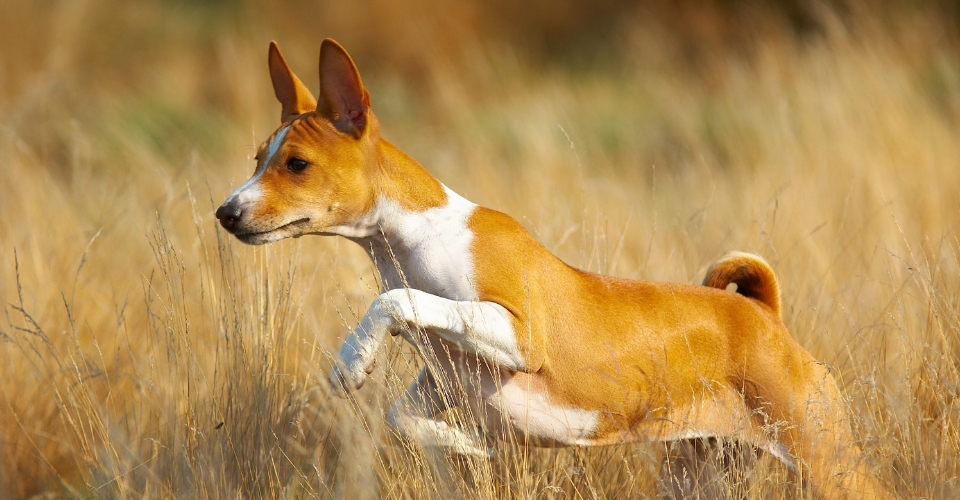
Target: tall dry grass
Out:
[146,354]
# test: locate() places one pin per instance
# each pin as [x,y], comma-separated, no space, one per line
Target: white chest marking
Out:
[432,247]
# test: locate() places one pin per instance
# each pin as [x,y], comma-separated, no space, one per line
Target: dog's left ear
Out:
[343,100]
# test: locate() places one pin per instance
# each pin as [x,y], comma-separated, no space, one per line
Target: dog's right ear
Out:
[293,95]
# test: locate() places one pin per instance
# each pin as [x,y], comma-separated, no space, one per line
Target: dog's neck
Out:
[415,224]
[399,184]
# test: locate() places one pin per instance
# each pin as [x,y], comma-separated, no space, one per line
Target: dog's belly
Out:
[531,413]
[502,400]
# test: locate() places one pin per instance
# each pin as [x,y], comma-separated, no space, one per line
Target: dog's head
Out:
[313,173]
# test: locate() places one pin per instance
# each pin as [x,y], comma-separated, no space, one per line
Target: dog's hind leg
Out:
[708,467]
[807,408]
[825,442]
[412,416]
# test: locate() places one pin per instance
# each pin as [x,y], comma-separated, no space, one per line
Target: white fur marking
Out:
[432,247]
[249,192]
[411,415]
[536,416]
[275,144]
[481,328]
[428,432]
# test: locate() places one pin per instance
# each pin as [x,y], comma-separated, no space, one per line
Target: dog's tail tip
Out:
[753,276]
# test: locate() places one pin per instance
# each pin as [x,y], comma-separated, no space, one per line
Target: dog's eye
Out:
[296,164]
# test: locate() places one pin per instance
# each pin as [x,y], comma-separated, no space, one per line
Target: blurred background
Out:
[145,354]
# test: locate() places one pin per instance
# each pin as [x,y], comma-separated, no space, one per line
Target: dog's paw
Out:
[345,379]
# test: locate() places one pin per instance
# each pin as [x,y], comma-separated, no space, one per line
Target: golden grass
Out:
[146,354]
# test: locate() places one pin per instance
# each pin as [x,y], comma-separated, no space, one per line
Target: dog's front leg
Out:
[484,329]
[357,354]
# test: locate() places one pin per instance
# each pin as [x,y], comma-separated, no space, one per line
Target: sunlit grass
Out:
[146,354]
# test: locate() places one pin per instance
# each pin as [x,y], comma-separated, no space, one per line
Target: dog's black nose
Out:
[229,214]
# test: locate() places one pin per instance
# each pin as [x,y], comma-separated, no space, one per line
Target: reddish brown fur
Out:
[295,97]
[659,359]
[338,185]
[752,275]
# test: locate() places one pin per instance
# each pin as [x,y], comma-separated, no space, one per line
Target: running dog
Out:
[562,356]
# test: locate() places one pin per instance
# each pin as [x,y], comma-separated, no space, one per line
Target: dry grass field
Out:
[146,354]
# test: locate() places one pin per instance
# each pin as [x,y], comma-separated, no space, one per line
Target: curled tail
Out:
[751,273]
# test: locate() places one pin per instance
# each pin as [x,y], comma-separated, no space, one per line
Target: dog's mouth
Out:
[260,237]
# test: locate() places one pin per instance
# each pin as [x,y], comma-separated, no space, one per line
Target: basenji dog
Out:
[560,356]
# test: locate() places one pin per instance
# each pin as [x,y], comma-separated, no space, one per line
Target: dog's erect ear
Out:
[343,100]
[293,95]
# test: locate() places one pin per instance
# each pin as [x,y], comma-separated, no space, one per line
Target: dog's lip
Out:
[278,228]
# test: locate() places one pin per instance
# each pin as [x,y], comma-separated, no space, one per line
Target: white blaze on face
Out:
[249,192]
[275,143]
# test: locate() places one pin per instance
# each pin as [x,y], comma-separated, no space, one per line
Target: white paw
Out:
[346,379]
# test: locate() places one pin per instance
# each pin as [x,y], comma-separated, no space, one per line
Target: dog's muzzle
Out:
[229,214]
